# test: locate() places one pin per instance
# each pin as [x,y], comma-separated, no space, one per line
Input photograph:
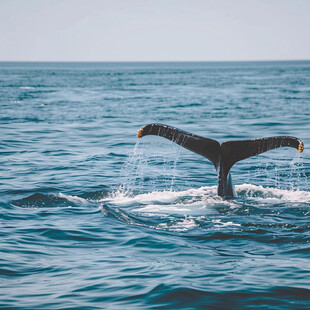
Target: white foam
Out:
[203,200]
[202,204]
[27,87]
[272,194]
[162,196]
[157,196]
[184,224]
[219,223]
[74,199]
[192,201]
[176,208]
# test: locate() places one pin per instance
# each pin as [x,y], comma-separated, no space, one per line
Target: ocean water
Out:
[91,217]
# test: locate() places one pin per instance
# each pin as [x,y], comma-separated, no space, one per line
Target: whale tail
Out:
[223,156]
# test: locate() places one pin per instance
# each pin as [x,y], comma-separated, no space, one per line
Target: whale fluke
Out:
[223,156]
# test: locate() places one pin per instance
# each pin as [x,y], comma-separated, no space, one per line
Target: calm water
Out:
[93,218]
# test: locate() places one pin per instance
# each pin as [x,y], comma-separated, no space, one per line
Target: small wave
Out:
[39,200]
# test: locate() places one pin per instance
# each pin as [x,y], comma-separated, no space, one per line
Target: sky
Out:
[154,30]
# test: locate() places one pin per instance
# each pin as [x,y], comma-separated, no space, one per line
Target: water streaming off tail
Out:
[149,164]
[283,169]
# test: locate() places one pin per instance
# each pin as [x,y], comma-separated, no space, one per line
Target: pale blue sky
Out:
[154,30]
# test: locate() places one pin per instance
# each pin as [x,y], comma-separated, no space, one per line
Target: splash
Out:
[282,173]
[205,199]
[146,167]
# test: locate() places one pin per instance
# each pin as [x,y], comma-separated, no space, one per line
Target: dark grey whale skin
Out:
[223,156]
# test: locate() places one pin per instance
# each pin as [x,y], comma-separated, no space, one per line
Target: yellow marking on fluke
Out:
[139,133]
[300,147]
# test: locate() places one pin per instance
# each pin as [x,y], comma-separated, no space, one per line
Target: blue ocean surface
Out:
[91,217]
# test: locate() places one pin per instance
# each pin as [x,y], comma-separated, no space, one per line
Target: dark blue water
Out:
[93,218]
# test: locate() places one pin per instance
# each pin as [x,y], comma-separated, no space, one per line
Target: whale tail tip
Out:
[140,132]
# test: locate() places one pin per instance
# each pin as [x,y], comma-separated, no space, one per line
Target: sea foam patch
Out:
[191,201]
[204,200]
[272,194]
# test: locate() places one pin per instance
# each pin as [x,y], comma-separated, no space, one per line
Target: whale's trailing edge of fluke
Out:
[223,156]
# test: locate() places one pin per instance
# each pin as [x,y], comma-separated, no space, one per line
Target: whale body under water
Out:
[223,156]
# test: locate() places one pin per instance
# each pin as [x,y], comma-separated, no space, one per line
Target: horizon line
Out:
[150,61]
